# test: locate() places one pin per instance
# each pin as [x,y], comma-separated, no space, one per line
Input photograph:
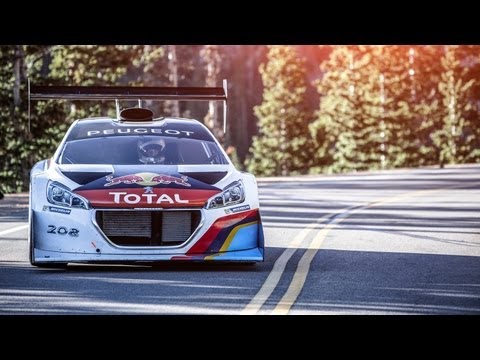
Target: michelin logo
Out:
[237,209]
[57,210]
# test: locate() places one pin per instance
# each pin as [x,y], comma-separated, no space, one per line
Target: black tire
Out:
[51,265]
[248,263]
[31,245]
[30,241]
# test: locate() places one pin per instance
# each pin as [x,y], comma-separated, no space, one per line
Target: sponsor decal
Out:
[62,230]
[128,198]
[57,210]
[140,198]
[215,237]
[237,209]
[124,131]
[147,179]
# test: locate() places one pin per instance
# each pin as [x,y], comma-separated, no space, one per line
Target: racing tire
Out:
[51,265]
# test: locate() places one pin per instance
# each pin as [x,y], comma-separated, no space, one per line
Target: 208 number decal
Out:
[62,230]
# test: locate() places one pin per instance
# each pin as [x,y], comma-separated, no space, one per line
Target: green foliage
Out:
[409,103]
[379,106]
[347,131]
[49,65]
[392,106]
[282,146]
[457,139]
[17,149]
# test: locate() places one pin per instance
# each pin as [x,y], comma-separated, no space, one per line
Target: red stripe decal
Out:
[153,198]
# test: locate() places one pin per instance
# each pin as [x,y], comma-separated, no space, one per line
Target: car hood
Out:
[150,186]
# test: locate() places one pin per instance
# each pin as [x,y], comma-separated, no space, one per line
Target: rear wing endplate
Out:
[118,93]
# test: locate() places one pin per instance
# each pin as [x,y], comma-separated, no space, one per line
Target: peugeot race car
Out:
[139,189]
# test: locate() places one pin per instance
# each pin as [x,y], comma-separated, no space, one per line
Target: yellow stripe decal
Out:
[230,238]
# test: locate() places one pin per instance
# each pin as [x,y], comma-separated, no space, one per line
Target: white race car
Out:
[140,189]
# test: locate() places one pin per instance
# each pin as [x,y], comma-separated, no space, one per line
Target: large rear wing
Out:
[118,93]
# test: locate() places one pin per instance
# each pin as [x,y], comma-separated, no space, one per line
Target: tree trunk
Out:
[173,75]
[212,58]
[17,73]
[46,61]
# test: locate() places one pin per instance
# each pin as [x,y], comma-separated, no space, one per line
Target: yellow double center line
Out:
[303,267]
[279,267]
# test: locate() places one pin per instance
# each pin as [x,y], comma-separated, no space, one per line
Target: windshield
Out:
[138,150]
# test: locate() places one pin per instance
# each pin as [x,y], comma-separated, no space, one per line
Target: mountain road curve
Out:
[386,242]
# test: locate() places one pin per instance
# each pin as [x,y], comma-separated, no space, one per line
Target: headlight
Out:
[58,194]
[232,194]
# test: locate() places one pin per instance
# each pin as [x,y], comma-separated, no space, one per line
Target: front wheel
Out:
[31,245]
[51,265]
[31,249]
[248,263]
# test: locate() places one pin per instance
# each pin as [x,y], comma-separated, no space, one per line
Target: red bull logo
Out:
[127,179]
[167,179]
[147,179]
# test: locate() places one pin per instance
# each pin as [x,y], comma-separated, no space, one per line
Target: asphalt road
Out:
[391,242]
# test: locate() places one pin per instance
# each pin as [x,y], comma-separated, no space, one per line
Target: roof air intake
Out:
[136,114]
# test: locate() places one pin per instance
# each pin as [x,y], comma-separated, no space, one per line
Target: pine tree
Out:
[469,140]
[424,103]
[454,139]
[347,129]
[211,56]
[335,106]
[19,148]
[370,125]
[410,103]
[379,107]
[170,65]
[282,146]
[48,65]
[395,106]
[240,64]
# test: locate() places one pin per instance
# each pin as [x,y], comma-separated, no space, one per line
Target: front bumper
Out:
[45,257]
[75,237]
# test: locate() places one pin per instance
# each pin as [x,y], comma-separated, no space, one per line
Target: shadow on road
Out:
[340,281]
[353,282]
[164,267]
[400,283]
[414,180]
[298,207]
[14,207]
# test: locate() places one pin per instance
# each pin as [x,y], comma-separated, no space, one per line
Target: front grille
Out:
[148,228]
